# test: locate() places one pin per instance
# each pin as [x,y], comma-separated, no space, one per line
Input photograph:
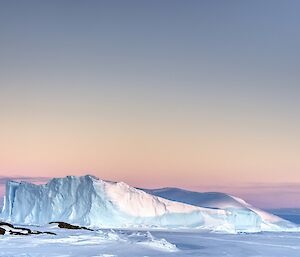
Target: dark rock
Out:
[69,226]
[49,233]
[2,231]
[6,224]
[22,231]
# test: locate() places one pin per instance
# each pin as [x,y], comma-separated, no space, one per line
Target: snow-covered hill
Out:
[206,199]
[90,201]
[219,200]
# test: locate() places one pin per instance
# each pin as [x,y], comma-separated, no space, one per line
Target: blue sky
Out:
[155,93]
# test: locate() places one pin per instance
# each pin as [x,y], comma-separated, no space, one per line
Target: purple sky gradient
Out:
[202,95]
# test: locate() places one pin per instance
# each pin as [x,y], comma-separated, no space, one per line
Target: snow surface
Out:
[93,202]
[130,243]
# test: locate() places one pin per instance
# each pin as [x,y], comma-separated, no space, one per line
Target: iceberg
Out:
[89,201]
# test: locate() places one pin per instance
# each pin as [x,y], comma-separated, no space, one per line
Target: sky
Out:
[202,95]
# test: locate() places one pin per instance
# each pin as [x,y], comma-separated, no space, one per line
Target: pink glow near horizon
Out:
[266,196]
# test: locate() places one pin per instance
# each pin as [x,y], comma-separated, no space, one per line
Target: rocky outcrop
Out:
[7,228]
[69,226]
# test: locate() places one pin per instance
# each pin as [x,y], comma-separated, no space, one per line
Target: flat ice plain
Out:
[130,243]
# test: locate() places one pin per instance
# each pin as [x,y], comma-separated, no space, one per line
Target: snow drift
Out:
[90,201]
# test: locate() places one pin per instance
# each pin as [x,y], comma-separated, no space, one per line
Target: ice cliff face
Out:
[92,202]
